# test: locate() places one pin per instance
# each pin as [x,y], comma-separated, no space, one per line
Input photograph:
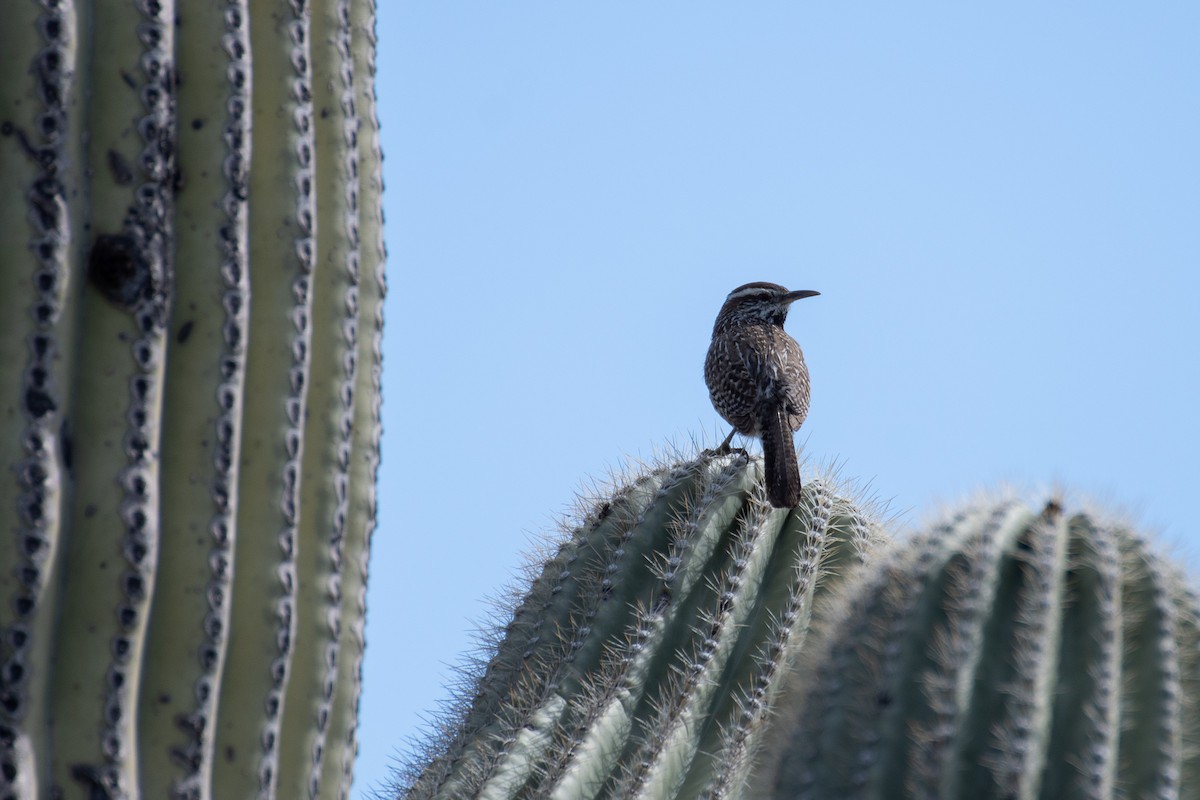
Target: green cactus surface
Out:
[190,322]
[1009,652]
[646,652]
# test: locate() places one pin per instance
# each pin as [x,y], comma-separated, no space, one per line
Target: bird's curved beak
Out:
[799,295]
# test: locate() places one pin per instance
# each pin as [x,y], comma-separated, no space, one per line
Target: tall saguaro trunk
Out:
[191,286]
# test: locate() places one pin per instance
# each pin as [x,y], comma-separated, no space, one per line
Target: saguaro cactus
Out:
[1009,652]
[190,297]
[644,658]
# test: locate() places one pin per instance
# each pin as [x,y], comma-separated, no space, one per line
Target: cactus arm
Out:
[277,361]
[41,161]
[1060,674]
[341,746]
[202,411]
[637,630]
[652,635]
[329,419]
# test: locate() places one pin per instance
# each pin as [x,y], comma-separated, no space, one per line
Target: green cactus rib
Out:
[645,656]
[1090,649]
[202,406]
[340,744]
[586,755]
[549,649]
[1009,652]
[41,161]
[1185,599]
[884,611]
[739,746]
[324,507]
[666,749]
[282,253]
[109,568]
[179,308]
[1149,748]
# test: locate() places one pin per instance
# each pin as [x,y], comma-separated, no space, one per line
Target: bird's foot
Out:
[725,448]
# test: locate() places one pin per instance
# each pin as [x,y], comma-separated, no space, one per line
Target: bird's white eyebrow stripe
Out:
[747,292]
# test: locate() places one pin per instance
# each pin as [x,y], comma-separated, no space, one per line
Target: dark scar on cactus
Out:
[122,175]
[93,780]
[118,271]
[185,330]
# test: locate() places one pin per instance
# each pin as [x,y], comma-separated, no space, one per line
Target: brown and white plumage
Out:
[758,380]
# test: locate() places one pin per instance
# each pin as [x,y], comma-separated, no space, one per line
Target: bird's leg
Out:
[724,449]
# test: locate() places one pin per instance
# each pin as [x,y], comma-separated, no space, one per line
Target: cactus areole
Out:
[190,304]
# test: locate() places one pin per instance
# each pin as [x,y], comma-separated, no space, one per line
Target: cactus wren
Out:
[758,381]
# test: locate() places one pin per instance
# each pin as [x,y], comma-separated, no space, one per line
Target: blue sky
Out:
[1000,206]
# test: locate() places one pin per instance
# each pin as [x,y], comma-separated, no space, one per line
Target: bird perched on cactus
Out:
[758,381]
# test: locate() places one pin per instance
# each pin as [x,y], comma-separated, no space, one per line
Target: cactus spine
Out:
[191,340]
[1009,652]
[644,658]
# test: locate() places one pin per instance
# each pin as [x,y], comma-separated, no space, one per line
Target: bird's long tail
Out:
[783,468]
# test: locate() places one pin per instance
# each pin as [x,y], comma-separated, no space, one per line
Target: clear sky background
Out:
[1000,206]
